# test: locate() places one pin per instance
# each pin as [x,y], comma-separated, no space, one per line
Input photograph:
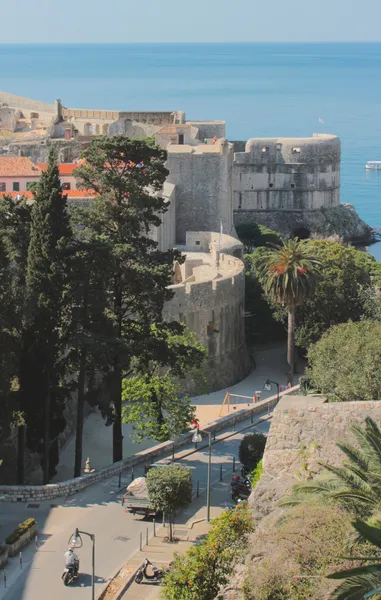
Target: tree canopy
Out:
[345,364]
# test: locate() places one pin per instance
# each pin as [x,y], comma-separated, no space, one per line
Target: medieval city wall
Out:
[287,174]
[303,433]
[214,310]
[28,105]
[202,175]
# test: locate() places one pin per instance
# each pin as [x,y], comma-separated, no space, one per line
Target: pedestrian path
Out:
[161,553]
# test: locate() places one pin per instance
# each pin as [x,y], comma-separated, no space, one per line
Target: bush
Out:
[169,488]
[200,572]
[3,549]
[18,532]
[256,474]
[253,236]
[297,554]
[251,450]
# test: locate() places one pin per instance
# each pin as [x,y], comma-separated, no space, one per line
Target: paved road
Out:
[97,510]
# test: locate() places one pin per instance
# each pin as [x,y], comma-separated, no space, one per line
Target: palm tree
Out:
[356,485]
[365,581]
[287,274]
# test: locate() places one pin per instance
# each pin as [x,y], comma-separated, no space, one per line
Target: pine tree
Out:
[129,174]
[42,367]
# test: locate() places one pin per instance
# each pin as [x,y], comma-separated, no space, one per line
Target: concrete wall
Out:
[202,175]
[200,241]
[214,310]
[287,174]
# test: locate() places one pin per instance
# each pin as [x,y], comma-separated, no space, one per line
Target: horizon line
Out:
[182,43]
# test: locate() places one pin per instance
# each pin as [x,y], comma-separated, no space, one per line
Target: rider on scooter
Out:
[71,559]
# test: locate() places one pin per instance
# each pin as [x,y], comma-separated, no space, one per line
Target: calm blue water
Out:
[259,89]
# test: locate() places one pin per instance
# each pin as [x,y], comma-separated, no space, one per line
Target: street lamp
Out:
[197,437]
[76,541]
[267,387]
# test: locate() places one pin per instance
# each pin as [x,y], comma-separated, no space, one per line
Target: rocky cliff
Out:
[341,220]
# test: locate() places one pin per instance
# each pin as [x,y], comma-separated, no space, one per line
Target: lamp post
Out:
[197,437]
[267,387]
[76,539]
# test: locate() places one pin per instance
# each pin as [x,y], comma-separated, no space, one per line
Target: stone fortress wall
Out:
[210,298]
[303,433]
[202,174]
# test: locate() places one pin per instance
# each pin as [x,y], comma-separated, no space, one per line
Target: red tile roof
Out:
[64,168]
[69,193]
[18,166]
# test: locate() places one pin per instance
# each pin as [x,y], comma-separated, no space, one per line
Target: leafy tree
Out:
[345,364]
[355,485]
[341,292]
[156,407]
[287,274]
[41,366]
[202,570]
[169,488]
[251,449]
[253,235]
[130,174]
[364,581]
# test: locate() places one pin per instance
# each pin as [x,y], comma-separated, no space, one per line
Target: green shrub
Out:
[253,236]
[256,474]
[251,450]
[169,488]
[200,572]
[22,528]
[3,549]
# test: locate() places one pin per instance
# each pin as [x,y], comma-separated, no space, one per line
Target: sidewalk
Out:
[189,530]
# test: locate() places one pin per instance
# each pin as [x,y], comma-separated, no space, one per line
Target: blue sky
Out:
[190,20]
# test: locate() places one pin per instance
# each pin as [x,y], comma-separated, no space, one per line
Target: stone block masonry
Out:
[303,433]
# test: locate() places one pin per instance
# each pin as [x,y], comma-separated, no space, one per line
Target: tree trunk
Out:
[117,436]
[21,433]
[46,456]
[291,344]
[80,414]
[81,385]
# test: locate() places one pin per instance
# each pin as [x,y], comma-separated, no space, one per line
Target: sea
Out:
[259,89]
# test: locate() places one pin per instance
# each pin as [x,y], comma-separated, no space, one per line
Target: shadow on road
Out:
[85,580]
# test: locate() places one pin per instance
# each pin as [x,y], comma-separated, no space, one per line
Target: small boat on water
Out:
[374,165]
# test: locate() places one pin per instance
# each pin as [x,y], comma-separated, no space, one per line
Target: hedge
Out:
[18,532]
[251,450]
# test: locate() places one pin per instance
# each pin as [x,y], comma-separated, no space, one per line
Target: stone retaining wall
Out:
[23,540]
[10,493]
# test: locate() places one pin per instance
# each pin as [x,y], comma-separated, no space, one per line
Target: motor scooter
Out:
[240,489]
[70,573]
[156,577]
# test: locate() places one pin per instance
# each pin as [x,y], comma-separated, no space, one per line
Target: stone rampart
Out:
[202,175]
[303,432]
[28,104]
[213,309]
[287,174]
[27,493]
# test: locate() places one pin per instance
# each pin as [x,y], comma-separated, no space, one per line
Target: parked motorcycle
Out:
[244,472]
[240,489]
[70,574]
[156,577]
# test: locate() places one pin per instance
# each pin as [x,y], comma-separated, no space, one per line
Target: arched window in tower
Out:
[88,129]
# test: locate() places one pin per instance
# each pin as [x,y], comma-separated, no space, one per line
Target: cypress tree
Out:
[42,365]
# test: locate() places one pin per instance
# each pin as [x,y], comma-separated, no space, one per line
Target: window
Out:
[66,186]
[197,243]
[264,149]
[181,138]
[16,186]
[271,185]
[2,187]
[293,186]
[279,146]
[296,150]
